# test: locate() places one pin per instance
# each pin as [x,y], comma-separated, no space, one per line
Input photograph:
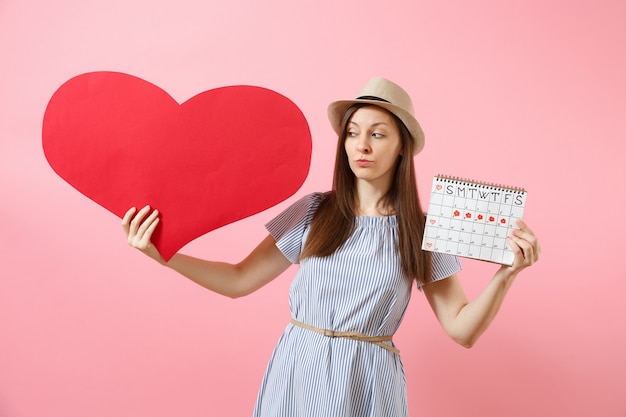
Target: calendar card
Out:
[472,219]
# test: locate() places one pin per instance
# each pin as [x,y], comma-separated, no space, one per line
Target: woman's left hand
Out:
[525,247]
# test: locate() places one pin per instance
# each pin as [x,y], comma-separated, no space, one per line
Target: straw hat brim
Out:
[337,109]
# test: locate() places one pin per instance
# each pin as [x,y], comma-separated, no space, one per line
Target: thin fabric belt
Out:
[377,340]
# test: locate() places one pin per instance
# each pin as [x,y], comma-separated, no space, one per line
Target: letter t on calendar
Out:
[472,219]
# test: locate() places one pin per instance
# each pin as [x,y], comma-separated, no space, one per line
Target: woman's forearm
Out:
[261,266]
[220,277]
[475,317]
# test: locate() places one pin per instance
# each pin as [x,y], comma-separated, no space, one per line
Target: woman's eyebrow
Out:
[373,124]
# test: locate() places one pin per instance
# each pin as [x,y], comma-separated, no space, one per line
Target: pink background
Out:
[523,93]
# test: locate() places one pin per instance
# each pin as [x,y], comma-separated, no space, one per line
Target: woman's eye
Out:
[377,135]
[351,134]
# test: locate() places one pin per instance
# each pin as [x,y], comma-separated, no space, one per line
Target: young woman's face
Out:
[373,145]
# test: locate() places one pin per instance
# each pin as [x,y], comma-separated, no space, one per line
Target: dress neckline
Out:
[376,220]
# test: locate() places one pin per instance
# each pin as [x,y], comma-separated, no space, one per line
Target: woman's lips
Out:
[363,162]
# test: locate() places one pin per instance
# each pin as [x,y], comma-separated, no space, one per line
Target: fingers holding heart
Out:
[139,227]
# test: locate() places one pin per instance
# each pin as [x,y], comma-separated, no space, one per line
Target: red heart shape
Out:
[219,157]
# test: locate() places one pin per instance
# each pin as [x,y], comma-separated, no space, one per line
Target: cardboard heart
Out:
[219,157]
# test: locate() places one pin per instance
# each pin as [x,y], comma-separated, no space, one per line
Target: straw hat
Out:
[388,95]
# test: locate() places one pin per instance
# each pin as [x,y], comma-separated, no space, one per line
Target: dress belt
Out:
[377,340]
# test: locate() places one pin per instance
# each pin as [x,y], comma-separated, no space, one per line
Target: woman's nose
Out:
[363,146]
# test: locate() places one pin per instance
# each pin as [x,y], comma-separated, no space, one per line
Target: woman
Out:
[358,250]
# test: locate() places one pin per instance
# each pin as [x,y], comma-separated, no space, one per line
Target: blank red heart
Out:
[219,157]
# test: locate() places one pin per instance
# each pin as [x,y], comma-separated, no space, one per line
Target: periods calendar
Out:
[472,219]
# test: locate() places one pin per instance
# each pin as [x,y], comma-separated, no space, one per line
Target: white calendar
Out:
[472,219]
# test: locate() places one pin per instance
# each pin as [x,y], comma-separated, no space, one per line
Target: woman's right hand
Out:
[139,226]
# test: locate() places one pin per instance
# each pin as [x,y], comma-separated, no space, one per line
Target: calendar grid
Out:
[472,219]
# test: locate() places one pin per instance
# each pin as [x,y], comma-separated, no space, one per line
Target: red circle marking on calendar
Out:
[503,221]
[492,219]
[456,213]
[468,215]
[480,217]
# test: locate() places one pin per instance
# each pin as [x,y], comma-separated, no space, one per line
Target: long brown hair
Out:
[334,220]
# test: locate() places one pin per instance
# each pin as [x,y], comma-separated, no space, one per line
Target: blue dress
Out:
[361,287]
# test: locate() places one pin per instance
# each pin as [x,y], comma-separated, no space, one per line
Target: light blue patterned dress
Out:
[360,288]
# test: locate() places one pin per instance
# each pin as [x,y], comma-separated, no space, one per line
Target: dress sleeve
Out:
[443,265]
[288,227]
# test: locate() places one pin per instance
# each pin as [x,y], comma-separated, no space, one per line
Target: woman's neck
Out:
[370,201]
